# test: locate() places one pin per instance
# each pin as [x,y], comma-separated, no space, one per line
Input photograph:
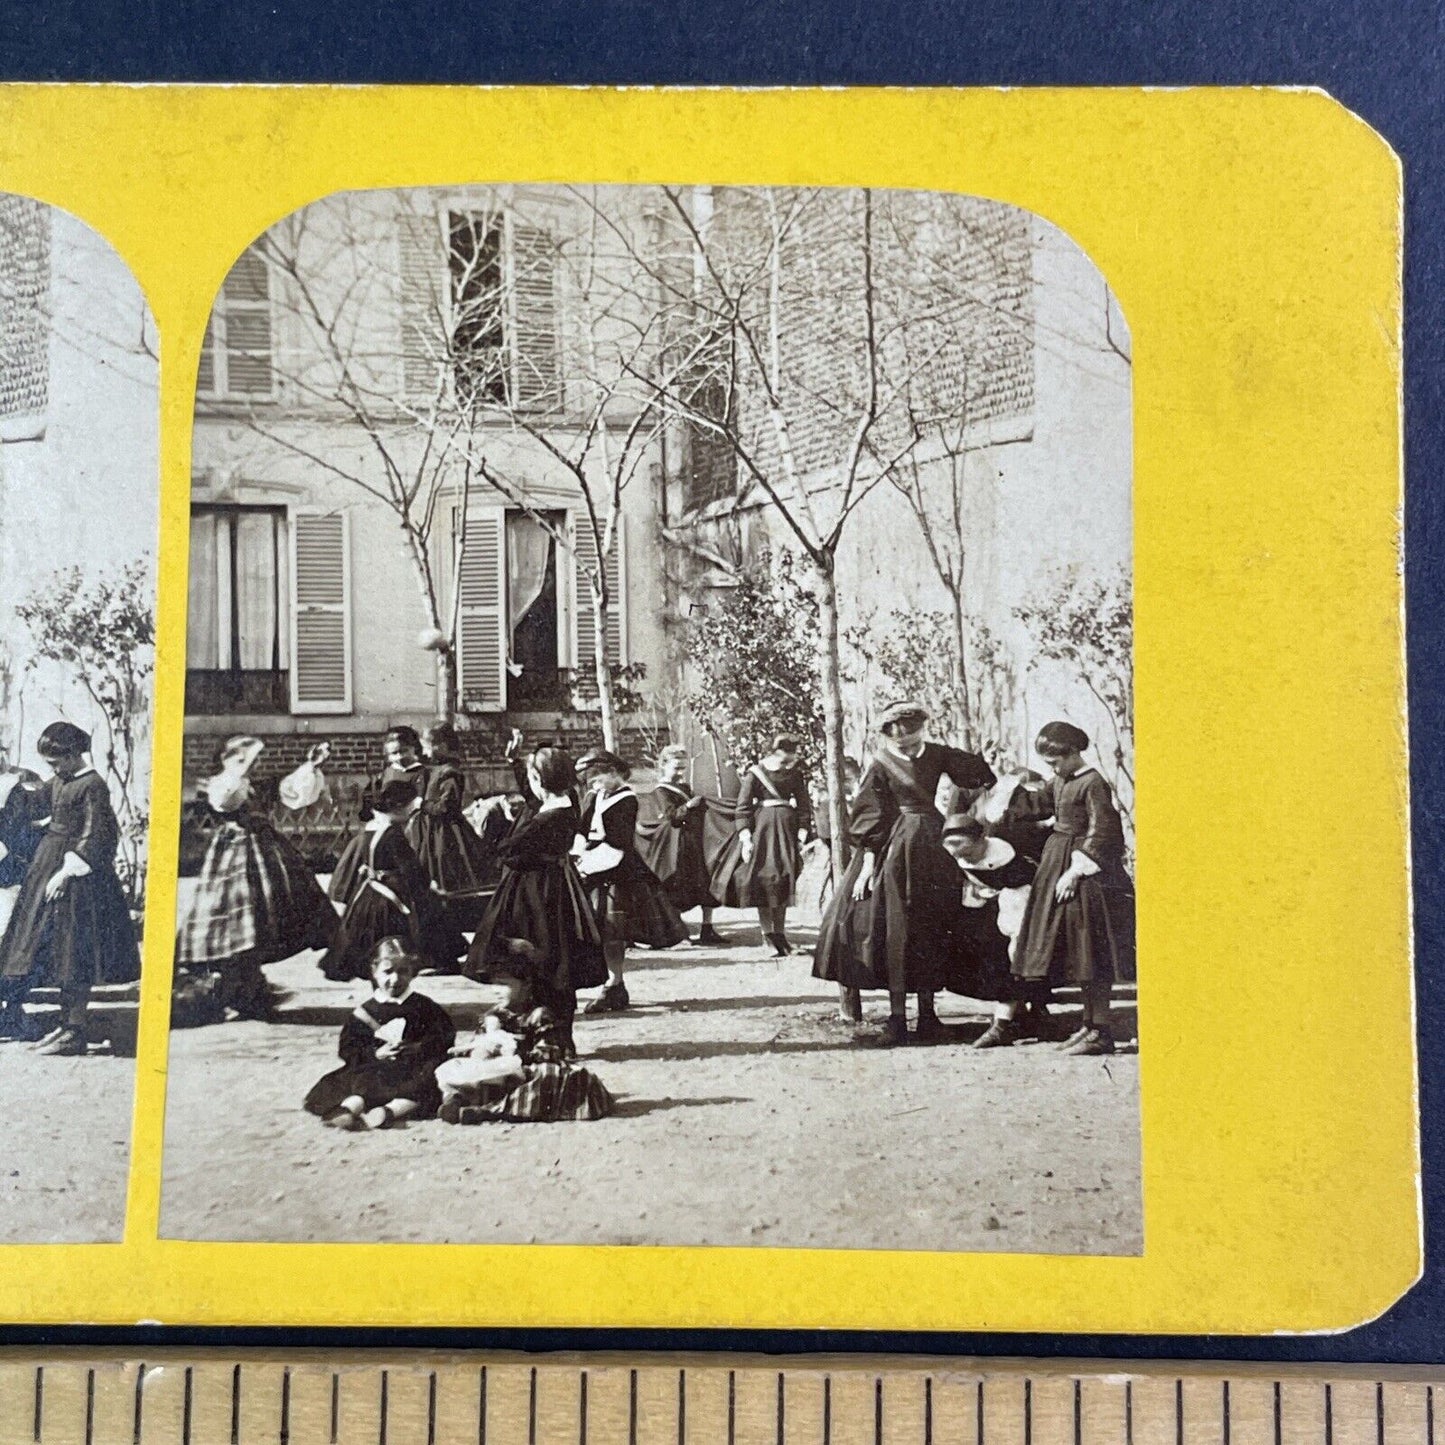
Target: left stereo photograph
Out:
[79,476]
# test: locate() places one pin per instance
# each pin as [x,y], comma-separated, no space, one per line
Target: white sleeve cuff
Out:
[74,866]
[4,852]
[1083,865]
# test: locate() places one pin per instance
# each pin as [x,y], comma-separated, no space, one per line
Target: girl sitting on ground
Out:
[390,1048]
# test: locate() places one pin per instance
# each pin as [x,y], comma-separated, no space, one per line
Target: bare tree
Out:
[614,324]
[333,288]
[449,403]
[785,347]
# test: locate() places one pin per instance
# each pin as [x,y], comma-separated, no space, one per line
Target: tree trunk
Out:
[446,676]
[447,700]
[603,672]
[960,662]
[831,678]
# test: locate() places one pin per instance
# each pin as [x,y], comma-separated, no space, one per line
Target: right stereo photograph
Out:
[659,757]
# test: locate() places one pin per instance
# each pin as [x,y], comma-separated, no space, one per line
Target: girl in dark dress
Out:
[256,900]
[890,923]
[402,751]
[390,1048]
[393,897]
[992,875]
[1079,924]
[629,902]
[455,857]
[759,867]
[539,926]
[71,927]
[1018,811]
[671,841]
[20,831]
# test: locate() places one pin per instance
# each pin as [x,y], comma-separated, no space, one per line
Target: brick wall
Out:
[359,754]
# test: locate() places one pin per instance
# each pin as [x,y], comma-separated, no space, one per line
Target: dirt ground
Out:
[65,1149]
[746,1115]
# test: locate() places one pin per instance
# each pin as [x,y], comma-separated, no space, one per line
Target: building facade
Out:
[448,355]
[79,448]
[415,357]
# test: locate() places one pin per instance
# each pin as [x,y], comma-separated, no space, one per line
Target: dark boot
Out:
[709,937]
[893,1034]
[929,1029]
[17,1025]
[612,1000]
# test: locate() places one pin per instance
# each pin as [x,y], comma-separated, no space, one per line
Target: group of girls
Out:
[921,906]
[1022,889]
[553,902]
[69,925]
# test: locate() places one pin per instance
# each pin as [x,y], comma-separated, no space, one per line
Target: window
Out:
[535,680]
[712,468]
[238,637]
[236,355]
[478,296]
[525,616]
[479,310]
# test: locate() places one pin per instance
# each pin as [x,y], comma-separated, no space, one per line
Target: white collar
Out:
[554,804]
[379,823]
[605,801]
[377,998]
[83,771]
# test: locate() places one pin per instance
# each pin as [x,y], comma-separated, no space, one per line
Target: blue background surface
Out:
[1384,62]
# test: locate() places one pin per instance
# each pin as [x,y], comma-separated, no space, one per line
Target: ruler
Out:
[418,1399]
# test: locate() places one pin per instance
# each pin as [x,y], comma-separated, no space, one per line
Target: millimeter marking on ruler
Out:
[275,1399]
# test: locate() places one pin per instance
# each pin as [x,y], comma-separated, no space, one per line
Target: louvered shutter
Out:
[533,337]
[584,617]
[206,371]
[246,299]
[422,263]
[481,634]
[321,613]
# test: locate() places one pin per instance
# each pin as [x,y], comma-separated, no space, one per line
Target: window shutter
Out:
[321,615]
[584,621]
[481,629]
[423,271]
[534,318]
[246,299]
[206,372]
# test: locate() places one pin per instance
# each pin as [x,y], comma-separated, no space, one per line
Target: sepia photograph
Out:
[79,477]
[659,756]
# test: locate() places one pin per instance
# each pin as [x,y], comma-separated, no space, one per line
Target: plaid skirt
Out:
[255,899]
[551,1093]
